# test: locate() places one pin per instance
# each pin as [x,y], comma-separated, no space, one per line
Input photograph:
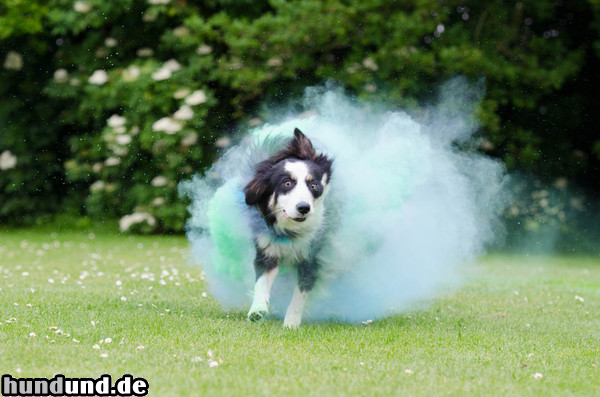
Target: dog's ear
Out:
[302,147]
[259,185]
[325,163]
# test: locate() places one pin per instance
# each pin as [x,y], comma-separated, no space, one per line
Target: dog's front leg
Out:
[307,276]
[266,270]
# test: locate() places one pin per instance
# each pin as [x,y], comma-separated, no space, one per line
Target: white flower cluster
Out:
[82,7]
[7,160]
[13,61]
[170,125]
[159,181]
[99,77]
[167,125]
[196,98]
[131,73]
[61,76]
[166,70]
[127,221]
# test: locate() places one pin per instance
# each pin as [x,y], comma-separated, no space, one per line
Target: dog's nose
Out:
[303,208]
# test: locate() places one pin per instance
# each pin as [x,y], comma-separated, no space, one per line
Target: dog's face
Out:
[297,186]
[289,187]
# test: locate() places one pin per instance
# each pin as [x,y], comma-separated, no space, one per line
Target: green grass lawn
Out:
[63,292]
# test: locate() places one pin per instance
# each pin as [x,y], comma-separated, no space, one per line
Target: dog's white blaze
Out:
[292,250]
[262,291]
[300,193]
[293,314]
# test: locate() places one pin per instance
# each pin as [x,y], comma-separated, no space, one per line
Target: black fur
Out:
[263,262]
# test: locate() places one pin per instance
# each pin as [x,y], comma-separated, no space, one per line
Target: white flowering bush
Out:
[106,105]
[146,106]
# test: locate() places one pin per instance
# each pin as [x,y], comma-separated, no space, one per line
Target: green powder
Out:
[229,231]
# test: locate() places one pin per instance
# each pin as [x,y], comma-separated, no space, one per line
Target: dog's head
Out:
[289,186]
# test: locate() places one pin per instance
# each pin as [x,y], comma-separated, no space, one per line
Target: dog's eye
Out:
[287,183]
[313,186]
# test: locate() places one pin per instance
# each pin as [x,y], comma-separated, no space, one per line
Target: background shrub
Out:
[106,106]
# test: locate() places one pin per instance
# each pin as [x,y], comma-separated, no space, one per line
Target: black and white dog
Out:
[288,191]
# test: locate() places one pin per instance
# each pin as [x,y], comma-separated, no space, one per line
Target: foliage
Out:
[108,105]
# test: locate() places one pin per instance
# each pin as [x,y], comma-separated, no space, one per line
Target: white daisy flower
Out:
[537,375]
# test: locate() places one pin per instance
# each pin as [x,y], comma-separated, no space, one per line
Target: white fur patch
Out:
[293,315]
[262,291]
[300,193]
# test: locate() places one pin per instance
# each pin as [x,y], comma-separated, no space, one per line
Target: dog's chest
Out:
[286,250]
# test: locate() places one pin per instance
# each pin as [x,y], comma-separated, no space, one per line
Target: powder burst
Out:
[409,207]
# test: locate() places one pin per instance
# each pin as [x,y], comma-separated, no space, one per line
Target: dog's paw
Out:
[257,316]
[292,321]
[258,312]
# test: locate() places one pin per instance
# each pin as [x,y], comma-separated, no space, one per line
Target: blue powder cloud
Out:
[407,208]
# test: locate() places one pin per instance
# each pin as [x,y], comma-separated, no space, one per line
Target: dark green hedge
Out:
[106,105]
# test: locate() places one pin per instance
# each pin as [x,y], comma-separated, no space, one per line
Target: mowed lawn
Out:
[64,292]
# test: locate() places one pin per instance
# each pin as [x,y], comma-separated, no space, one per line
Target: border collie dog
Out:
[288,191]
